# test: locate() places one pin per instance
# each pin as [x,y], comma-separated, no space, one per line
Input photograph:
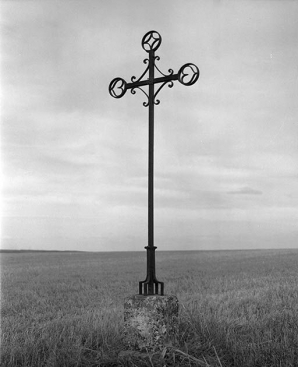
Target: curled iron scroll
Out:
[170,85]
[188,74]
[134,78]
[151,41]
[133,91]
[117,88]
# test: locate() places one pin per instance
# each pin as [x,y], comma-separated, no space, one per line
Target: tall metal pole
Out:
[151,153]
[151,248]
[187,75]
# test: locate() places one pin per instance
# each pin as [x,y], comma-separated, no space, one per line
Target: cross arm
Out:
[141,83]
[187,75]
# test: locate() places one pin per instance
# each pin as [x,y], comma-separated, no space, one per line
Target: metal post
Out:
[151,248]
[187,75]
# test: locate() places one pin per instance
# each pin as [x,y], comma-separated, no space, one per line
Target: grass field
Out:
[237,308]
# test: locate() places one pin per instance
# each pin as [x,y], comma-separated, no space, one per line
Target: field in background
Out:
[237,308]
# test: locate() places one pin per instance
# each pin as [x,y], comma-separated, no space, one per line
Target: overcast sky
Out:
[74,159]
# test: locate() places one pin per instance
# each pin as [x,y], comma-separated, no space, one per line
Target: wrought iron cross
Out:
[187,75]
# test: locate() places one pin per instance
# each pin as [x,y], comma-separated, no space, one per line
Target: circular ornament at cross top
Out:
[151,41]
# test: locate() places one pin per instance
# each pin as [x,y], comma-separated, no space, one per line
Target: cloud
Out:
[245,191]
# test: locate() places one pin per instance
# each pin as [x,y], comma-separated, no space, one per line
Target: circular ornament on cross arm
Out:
[151,41]
[188,74]
[117,88]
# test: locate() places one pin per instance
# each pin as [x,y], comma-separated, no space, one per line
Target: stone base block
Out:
[150,322]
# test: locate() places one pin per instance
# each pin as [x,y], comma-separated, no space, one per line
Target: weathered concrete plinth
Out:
[150,322]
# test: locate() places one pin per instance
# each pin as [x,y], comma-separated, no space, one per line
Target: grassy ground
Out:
[237,308]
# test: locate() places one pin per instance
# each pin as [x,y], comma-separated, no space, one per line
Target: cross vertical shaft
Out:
[151,248]
[151,153]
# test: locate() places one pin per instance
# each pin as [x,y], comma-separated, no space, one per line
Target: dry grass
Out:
[237,308]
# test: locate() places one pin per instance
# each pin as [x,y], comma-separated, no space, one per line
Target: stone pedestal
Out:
[150,322]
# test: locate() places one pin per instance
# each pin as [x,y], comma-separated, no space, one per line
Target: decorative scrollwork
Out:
[171,84]
[170,71]
[188,74]
[151,41]
[117,87]
[133,91]
[134,78]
